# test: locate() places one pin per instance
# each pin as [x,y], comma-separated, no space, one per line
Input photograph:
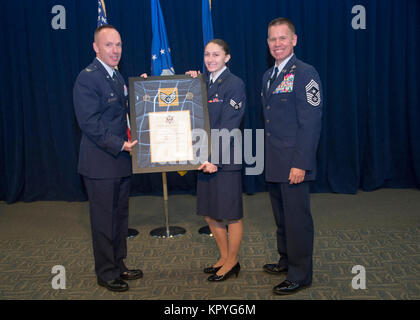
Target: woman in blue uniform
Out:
[219,185]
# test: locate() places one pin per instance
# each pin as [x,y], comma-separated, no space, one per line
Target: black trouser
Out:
[108,202]
[295,229]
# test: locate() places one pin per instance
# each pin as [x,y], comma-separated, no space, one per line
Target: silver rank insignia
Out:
[235,105]
[168,98]
[313,95]
[90,69]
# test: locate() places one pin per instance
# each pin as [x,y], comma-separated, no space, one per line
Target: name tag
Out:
[112,99]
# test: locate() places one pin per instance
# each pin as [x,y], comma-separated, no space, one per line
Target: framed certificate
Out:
[169,118]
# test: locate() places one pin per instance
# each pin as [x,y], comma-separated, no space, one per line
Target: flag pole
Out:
[166,231]
[162,65]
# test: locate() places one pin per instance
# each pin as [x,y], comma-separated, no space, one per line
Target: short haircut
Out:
[221,43]
[280,21]
[102,27]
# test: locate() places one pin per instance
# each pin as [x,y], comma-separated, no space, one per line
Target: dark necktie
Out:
[117,82]
[211,83]
[273,78]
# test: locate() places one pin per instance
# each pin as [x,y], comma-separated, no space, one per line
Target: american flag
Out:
[101,13]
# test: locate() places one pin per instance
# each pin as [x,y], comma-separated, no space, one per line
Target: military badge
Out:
[168,97]
[286,85]
[235,105]
[313,95]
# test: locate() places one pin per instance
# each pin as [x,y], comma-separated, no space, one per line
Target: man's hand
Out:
[296,175]
[208,167]
[192,73]
[128,145]
[144,75]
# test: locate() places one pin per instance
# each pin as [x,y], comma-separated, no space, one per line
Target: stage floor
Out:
[378,230]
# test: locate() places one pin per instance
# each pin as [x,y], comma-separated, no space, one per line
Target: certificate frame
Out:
[152,98]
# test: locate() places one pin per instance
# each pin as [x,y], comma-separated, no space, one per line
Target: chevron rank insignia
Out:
[313,95]
[168,97]
[236,105]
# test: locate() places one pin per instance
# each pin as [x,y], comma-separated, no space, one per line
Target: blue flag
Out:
[101,13]
[207,25]
[161,53]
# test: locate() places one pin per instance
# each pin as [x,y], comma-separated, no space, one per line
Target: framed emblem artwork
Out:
[169,118]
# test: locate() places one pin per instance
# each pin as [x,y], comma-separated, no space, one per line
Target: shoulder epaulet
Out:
[91,68]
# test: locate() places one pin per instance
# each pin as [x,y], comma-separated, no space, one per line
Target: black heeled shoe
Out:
[235,270]
[211,270]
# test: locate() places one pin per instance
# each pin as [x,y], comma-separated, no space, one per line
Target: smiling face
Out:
[215,57]
[281,41]
[108,46]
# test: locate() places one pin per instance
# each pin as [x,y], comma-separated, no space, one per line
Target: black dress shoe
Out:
[114,285]
[288,287]
[274,268]
[132,274]
[211,270]
[235,270]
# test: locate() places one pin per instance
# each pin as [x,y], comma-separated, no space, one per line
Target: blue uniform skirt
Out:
[219,195]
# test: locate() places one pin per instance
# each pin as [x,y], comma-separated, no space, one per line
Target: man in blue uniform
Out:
[100,102]
[292,103]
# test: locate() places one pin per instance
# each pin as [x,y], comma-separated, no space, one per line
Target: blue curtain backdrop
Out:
[371,124]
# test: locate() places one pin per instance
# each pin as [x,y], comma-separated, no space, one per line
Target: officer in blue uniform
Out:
[292,103]
[219,185]
[100,102]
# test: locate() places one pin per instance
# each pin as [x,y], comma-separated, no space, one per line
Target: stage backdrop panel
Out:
[365,51]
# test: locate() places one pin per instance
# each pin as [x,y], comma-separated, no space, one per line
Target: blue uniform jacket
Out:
[226,105]
[292,112]
[100,105]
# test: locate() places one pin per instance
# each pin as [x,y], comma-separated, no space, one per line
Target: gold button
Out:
[268,120]
[268,134]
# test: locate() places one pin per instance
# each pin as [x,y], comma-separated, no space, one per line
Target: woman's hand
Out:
[208,167]
[144,75]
